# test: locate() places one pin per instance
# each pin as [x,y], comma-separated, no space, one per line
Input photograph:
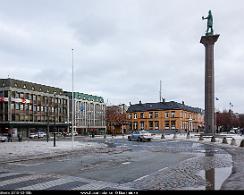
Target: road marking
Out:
[140,178]
[20,179]
[125,163]
[143,177]
[93,186]
[162,169]
[26,165]
[9,174]
[49,184]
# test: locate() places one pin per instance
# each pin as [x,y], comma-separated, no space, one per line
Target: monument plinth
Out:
[208,41]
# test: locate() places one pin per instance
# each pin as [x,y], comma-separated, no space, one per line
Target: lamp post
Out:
[72,103]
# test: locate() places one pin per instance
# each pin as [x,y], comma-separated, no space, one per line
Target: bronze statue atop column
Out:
[209,23]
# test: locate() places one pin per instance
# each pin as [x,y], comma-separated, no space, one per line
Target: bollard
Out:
[201,138]
[224,140]
[213,139]
[188,135]
[174,137]
[162,136]
[233,142]
[54,140]
[242,143]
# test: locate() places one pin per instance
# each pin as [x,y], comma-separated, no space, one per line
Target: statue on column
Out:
[209,23]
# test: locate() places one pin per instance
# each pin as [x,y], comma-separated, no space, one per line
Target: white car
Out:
[140,136]
[33,135]
[3,138]
[41,134]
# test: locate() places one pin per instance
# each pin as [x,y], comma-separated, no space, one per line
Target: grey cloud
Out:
[123,48]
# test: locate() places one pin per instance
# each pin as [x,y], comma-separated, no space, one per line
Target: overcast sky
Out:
[123,48]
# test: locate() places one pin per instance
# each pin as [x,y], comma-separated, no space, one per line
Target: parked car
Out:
[33,135]
[70,133]
[140,136]
[3,138]
[41,134]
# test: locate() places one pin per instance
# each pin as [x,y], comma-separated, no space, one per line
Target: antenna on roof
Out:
[160,92]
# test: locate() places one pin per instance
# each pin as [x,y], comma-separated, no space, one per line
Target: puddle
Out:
[219,167]
[214,177]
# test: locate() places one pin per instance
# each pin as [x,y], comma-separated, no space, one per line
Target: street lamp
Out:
[72,103]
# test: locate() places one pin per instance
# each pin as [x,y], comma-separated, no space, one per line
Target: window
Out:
[173,114]
[135,125]
[156,114]
[13,117]
[5,93]
[21,106]
[17,106]
[166,124]
[26,107]
[129,116]
[172,124]
[150,114]
[135,116]
[150,124]
[166,115]
[156,124]
[142,124]
[142,115]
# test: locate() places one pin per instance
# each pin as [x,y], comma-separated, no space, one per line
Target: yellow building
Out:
[164,116]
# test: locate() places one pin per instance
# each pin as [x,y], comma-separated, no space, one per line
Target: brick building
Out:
[165,115]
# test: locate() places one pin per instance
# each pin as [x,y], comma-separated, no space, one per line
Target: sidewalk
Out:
[19,151]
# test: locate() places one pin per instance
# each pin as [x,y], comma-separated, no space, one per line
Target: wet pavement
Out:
[156,165]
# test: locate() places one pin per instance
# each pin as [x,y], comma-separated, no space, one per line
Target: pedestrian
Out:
[19,137]
[9,137]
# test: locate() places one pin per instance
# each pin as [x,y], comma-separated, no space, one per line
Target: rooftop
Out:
[171,105]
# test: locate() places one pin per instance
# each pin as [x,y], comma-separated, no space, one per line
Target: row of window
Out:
[34,98]
[155,124]
[35,108]
[150,115]
[35,118]
[156,115]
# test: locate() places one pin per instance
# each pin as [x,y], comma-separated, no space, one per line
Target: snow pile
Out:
[34,148]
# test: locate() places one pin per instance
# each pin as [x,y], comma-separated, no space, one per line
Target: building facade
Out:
[165,115]
[89,113]
[116,119]
[27,107]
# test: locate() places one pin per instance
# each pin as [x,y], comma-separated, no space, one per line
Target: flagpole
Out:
[72,103]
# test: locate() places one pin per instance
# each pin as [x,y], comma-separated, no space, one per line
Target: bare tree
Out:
[115,119]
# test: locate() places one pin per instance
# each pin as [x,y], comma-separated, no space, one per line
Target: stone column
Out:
[209,118]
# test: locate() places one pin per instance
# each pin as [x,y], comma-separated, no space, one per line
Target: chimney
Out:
[140,102]
[183,103]
[163,100]
[130,103]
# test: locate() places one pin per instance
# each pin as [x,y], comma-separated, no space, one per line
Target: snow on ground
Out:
[28,148]
[195,137]
[13,150]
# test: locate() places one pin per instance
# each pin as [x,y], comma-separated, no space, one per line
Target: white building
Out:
[89,113]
